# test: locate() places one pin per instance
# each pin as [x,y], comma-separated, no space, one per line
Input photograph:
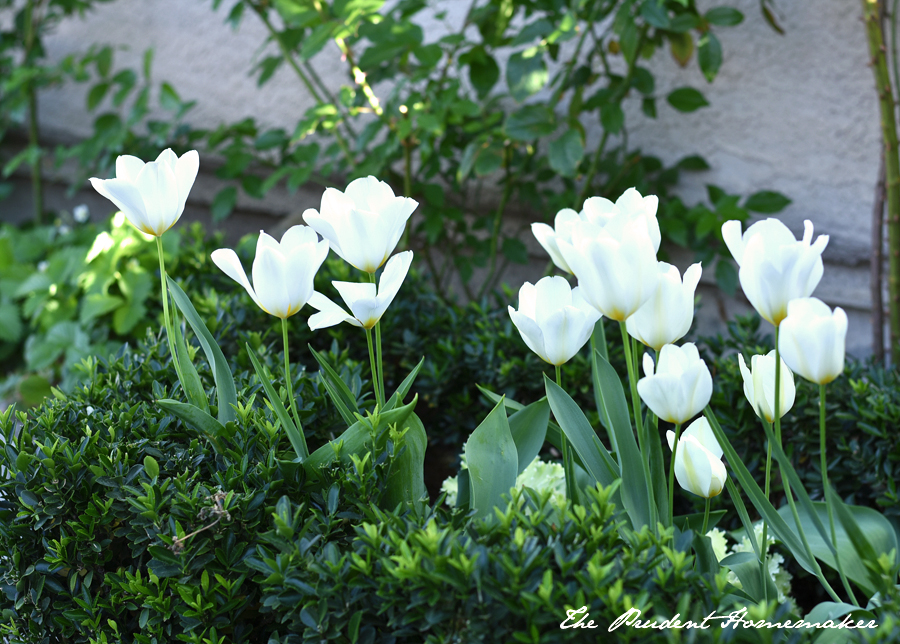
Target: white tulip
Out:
[775,267]
[615,265]
[698,460]
[759,385]
[367,304]
[152,195]
[681,385]
[812,340]
[364,223]
[283,272]
[668,314]
[553,319]
[599,211]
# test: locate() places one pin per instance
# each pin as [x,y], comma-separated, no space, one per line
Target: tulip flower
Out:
[668,314]
[812,339]
[599,211]
[152,195]
[759,385]
[775,268]
[366,304]
[553,319]
[698,460]
[283,272]
[615,265]
[362,224]
[681,385]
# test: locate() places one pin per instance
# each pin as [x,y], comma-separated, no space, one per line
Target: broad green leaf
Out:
[193,388]
[355,439]
[724,17]
[404,387]
[34,389]
[223,203]
[766,202]
[338,390]
[492,462]
[878,532]
[706,561]
[530,122]
[151,467]
[528,427]
[635,488]
[407,480]
[687,99]
[225,389]
[463,496]
[197,419]
[612,118]
[566,152]
[709,55]
[597,461]
[483,70]
[746,566]
[294,433]
[694,521]
[655,14]
[776,522]
[526,73]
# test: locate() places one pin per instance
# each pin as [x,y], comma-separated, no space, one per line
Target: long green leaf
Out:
[528,427]
[404,387]
[407,480]
[758,498]
[599,350]
[192,385]
[744,517]
[492,461]
[746,566]
[225,389]
[871,536]
[198,419]
[355,439]
[596,459]
[337,389]
[293,432]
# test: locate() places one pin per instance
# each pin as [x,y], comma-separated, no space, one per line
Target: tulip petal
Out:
[530,332]
[269,282]
[227,260]
[128,167]
[185,170]
[127,198]
[329,313]
[731,233]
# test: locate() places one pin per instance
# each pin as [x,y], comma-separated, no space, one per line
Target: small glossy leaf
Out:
[686,99]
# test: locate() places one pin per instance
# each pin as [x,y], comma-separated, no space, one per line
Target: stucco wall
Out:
[794,113]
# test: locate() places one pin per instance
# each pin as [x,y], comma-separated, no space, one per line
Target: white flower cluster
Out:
[780,576]
[540,476]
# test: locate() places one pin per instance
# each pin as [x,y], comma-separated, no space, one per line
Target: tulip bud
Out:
[553,319]
[283,272]
[667,316]
[367,304]
[775,267]
[680,387]
[362,224]
[812,339]
[698,460]
[759,385]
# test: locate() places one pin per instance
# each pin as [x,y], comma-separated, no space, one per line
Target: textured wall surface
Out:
[795,113]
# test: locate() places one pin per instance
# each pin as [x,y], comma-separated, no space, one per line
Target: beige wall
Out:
[794,113]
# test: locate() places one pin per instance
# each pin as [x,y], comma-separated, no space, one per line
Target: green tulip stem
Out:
[290,385]
[764,550]
[374,367]
[377,365]
[170,328]
[672,473]
[706,518]
[638,420]
[566,452]
[777,412]
[828,501]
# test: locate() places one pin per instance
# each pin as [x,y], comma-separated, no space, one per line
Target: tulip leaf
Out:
[744,516]
[407,480]
[877,536]
[658,480]
[463,498]
[197,419]
[706,561]
[834,611]
[553,430]
[694,521]
[746,566]
[635,488]
[492,461]
[337,389]
[356,439]
[191,380]
[597,461]
[225,390]
[528,427]
[404,387]
[293,432]
[776,522]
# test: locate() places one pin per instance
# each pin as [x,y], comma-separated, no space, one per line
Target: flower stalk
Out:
[290,386]
[170,328]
